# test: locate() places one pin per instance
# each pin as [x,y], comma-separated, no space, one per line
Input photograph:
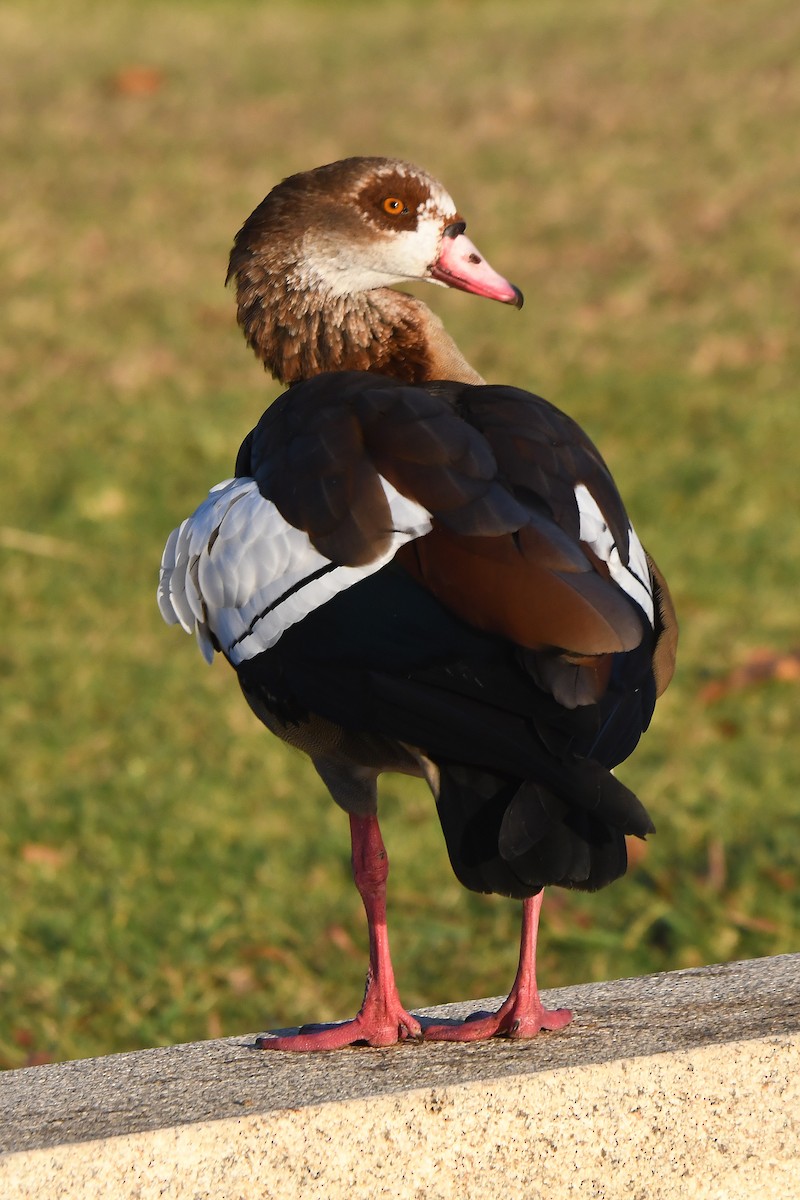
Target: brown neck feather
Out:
[298,334]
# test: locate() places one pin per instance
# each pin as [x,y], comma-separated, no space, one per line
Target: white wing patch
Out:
[634,579]
[237,572]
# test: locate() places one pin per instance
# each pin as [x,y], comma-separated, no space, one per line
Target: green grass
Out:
[170,872]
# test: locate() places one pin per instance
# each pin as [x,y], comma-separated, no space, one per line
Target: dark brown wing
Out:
[495,467]
[318,453]
[541,586]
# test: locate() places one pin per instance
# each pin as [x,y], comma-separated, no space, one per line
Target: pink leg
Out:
[522,1015]
[382,1020]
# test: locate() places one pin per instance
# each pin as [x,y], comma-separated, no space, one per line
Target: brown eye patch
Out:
[393,201]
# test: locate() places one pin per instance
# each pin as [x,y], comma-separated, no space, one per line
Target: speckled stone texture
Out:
[685,1085]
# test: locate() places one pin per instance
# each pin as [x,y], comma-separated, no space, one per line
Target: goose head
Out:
[314,260]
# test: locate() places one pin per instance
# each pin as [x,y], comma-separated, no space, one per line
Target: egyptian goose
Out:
[415,571]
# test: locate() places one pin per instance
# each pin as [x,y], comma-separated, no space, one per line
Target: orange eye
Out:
[394,207]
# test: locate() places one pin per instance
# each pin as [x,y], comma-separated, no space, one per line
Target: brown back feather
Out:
[666,648]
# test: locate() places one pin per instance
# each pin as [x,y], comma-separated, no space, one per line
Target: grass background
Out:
[169,872]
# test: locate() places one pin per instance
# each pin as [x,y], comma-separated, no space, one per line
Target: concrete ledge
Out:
[685,1084]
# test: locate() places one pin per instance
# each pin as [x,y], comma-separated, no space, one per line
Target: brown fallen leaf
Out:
[41,855]
[752,924]
[637,851]
[785,880]
[760,666]
[24,1038]
[137,80]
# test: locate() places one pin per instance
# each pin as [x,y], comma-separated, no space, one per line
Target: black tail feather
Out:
[515,837]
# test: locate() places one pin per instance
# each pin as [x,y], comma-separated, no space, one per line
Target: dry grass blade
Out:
[39,544]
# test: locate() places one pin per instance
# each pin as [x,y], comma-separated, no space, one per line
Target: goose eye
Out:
[394,207]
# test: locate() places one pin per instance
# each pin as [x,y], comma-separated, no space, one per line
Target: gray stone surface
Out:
[178,1086]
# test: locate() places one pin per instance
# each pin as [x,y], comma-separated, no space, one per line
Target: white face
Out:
[345,268]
